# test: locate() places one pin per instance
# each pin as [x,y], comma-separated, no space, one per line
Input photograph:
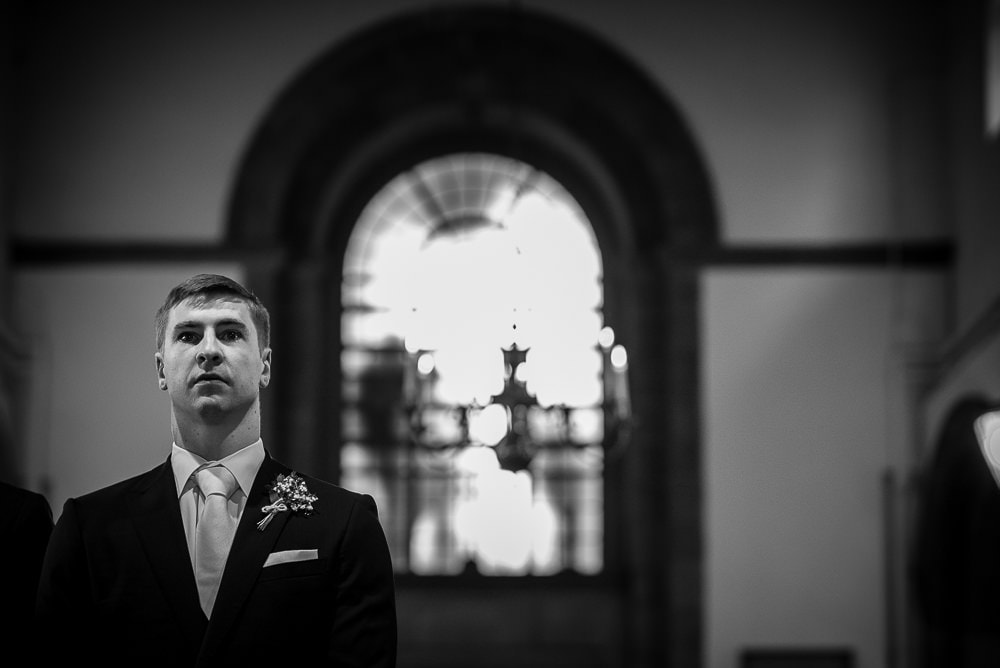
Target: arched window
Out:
[475,366]
[502,81]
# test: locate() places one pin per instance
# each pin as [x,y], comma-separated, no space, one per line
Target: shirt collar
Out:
[243,464]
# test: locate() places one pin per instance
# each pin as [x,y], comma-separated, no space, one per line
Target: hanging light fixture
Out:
[512,422]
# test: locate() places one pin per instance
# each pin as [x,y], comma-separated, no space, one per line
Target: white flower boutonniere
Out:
[288,492]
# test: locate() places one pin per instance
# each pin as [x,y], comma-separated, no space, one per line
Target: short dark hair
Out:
[206,287]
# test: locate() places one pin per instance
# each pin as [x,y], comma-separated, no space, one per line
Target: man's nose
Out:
[210,350]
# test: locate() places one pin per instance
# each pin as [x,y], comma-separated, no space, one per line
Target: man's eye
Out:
[231,335]
[187,337]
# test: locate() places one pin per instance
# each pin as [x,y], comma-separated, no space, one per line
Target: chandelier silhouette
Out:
[513,421]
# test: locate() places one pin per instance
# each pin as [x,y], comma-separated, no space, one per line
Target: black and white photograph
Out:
[500,333]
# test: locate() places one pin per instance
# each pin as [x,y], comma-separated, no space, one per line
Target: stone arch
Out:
[536,88]
[525,84]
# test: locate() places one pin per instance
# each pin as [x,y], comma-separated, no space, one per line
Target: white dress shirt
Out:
[243,464]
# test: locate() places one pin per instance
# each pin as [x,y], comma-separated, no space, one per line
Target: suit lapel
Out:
[156,515]
[248,553]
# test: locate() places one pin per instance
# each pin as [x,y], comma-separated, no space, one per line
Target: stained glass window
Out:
[475,370]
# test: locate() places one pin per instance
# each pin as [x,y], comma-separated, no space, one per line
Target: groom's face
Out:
[210,363]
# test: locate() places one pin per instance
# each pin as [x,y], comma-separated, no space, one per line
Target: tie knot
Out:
[216,479]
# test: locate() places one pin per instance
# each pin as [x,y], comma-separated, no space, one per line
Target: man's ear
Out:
[160,377]
[265,373]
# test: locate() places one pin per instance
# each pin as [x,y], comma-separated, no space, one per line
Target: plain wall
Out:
[800,396]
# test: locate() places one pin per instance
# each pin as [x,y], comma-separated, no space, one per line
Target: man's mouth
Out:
[208,378]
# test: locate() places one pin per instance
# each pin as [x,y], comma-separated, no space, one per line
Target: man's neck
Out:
[216,440]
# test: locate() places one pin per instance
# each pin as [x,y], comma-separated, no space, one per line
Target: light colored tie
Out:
[214,532]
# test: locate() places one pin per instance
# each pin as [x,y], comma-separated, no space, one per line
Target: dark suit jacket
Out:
[117,585]
[25,523]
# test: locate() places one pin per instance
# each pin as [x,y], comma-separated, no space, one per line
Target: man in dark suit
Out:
[26,523]
[221,556]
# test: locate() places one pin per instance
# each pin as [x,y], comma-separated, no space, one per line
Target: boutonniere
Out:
[288,492]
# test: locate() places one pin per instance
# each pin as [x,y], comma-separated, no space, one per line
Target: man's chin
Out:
[211,410]
[216,409]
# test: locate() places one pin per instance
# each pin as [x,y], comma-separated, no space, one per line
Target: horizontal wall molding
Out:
[25,254]
[910,254]
[913,254]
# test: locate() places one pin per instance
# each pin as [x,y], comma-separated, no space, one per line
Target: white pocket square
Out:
[290,555]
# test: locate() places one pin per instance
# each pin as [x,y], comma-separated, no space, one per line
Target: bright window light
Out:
[452,261]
